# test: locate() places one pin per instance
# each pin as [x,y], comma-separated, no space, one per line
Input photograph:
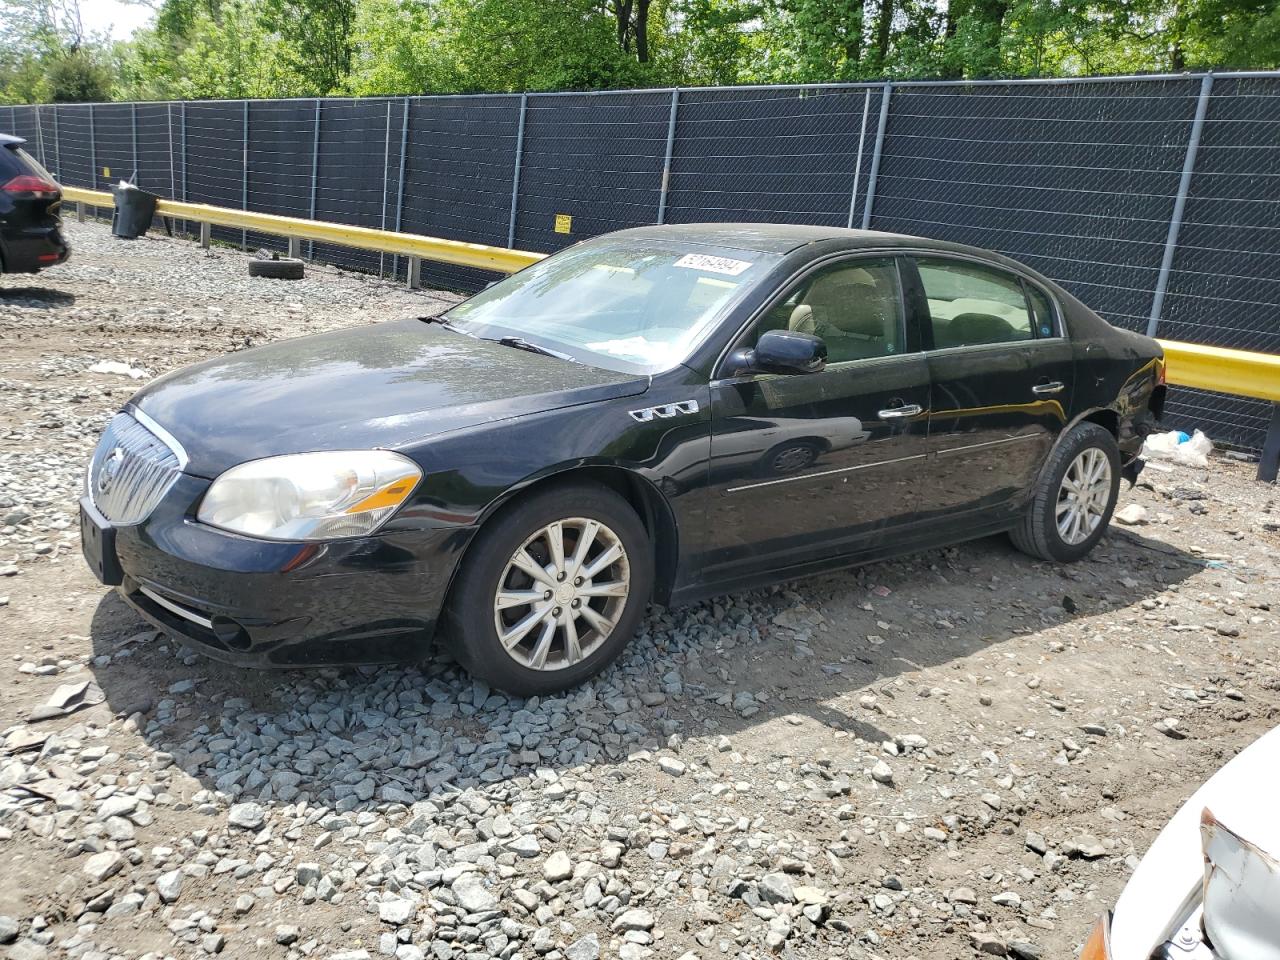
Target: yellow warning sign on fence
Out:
[106,171]
[564,223]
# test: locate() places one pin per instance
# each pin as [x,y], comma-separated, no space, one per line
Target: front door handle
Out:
[1048,389]
[897,413]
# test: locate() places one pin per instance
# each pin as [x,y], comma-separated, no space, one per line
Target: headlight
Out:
[310,496]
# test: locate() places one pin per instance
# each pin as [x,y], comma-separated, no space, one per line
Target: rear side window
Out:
[1046,326]
[33,165]
[971,304]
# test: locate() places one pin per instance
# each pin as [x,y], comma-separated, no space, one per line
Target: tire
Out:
[472,613]
[1082,452]
[286,268]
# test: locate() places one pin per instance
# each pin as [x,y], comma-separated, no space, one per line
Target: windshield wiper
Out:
[522,344]
[439,320]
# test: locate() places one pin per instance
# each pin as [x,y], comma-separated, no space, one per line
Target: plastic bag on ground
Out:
[1176,447]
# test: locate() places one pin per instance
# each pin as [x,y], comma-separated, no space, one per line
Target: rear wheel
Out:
[552,589]
[1074,497]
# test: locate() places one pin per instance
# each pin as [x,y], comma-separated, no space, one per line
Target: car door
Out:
[810,466]
[1002,375]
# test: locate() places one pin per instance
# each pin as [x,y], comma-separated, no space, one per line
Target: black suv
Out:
[30,201]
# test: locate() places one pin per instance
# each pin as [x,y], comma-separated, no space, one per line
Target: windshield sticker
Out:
[700,261]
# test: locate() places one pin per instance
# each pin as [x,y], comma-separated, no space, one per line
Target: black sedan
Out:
[30,202]
[664,414]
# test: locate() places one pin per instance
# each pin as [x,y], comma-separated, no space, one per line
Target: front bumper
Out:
[262,603]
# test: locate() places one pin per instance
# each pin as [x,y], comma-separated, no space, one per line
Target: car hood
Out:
[384,385]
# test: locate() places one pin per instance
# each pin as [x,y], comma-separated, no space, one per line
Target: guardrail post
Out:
[1179,204]
[414,277]
[666,162]
[1269,464]
[295,247]
[315,174]
[857,164]
[79,212]
[874,173]
[244,175]
[206,231]
[404,146]
[515,175]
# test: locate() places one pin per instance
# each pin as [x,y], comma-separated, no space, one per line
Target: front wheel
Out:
[1073,498]
[552,589]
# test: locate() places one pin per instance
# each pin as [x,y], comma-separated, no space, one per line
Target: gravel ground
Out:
[954,755]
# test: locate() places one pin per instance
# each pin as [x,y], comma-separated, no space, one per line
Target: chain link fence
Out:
[1156,200]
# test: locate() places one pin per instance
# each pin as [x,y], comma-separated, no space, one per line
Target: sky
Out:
[113,17]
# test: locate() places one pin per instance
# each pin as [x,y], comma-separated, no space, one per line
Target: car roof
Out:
[7,140]
[783,238]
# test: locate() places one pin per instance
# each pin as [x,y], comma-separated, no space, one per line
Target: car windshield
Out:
[638,306]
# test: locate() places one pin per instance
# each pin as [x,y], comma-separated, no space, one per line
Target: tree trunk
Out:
[884,30]
[642,30]
[622,12]
[853,32]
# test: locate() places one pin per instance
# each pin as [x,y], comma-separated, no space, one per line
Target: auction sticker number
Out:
[701,261]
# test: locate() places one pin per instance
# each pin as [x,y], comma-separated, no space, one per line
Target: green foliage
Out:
[275,48]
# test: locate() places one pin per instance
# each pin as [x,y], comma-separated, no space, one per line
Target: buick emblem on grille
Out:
[110,469]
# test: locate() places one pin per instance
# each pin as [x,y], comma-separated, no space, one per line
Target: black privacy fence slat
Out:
[1081,179]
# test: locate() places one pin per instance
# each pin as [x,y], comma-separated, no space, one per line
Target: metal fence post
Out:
[182,130]
[515,175]
[874,173]
[1180,204]
[315,173]
[244,175]
[93,153]
[386,170]
[40,137]
[857,164]
[404,149]
[57,146]
[173,177]
[666,162]
[133,130]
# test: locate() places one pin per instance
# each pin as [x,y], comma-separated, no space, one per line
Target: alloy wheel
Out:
[1084,496]
[561,594]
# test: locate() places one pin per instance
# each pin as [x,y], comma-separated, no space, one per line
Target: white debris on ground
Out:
[954,755]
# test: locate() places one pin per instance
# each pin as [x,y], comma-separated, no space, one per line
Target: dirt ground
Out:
[740,741]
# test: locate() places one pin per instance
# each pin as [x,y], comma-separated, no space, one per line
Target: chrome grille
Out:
[131,470]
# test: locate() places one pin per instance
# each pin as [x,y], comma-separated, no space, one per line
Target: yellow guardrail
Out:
[1239,372]
[456,252]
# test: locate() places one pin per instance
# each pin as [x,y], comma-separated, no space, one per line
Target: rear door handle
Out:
[897,413]
[1048,389]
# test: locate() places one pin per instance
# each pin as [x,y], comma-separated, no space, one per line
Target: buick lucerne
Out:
[660,414]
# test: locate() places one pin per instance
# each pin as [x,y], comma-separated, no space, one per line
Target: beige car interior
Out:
[855,311]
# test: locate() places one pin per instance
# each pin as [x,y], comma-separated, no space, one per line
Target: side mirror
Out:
[780,351]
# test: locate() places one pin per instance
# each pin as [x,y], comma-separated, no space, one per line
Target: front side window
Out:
[854,306]
[639,306]
[971,304]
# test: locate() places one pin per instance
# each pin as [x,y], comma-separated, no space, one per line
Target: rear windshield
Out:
[637,306]
[33,165]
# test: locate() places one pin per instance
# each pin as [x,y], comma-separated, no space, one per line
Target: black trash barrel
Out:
[134,210]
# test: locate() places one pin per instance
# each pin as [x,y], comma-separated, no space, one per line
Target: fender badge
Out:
[665,412]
